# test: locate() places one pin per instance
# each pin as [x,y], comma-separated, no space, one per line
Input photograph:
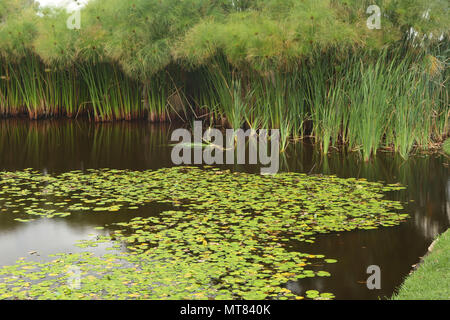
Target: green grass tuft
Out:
[431,281]
[446,146]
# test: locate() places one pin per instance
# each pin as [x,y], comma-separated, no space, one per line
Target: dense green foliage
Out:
[308,67]
[446,146]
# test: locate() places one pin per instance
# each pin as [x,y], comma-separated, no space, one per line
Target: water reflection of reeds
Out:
[67,145]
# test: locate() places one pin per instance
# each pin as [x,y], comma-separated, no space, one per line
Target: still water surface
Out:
[59,146]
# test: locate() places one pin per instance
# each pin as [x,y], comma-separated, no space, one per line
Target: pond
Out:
[69,149]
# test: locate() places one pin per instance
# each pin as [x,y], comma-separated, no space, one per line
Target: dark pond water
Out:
[60,146]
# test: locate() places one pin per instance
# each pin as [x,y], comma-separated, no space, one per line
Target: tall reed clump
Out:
[223,93]
[280,102]
[369,101]
[21,78]
[392,105]
[310,68]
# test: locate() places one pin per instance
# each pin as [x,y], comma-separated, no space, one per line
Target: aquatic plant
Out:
[216,243]
[308,68]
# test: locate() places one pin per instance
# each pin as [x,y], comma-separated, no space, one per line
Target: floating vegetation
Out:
[228,237]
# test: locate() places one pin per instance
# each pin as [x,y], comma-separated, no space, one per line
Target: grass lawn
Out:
[431,281]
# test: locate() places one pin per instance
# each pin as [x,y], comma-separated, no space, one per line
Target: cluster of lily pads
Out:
[229,235]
